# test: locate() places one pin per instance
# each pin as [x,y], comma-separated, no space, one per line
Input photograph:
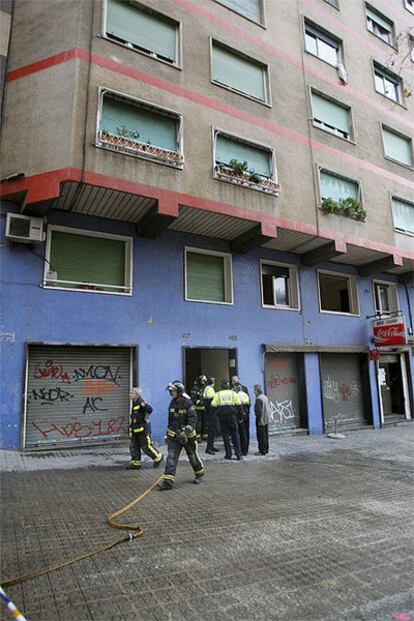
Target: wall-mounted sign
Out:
[389,331]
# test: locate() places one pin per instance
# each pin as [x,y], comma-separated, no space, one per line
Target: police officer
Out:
[208,396]
[140,431]
[197,398]
[244,419]
[181,433]
[228,407]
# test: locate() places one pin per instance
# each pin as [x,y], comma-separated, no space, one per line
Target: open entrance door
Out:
[214,362]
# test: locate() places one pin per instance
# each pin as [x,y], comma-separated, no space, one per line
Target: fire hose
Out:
[138,531]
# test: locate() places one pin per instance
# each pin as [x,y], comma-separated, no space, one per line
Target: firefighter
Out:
[211,413]
[228,410]
[197,391]
[244,419]
[181,433]
[140,438]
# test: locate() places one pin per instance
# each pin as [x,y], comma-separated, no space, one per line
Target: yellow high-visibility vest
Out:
[225,397]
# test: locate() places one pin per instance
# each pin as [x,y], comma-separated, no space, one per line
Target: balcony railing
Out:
[140,149]
[260,183]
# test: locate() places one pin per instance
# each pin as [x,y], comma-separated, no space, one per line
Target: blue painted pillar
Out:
[373,387]
[313,393]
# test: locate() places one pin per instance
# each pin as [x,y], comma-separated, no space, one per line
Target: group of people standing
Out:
[193,419]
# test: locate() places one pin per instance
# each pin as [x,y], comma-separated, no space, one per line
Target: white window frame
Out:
[352,292]
[228,275]
[294,294]
[403,200]
[262,21]
[368,19]
[87,233]
[141,103]
[327,128]
[397,133]
[392,296]
[396,80]
[216,131]
[324,33]
[130,46]
[408,6]
[321,168]
[265,68]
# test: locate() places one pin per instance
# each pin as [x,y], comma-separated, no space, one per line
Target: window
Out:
[331,116]
[279,285]
[336,187]
[397,147]
[334,3]
[236,71]
[322,45]
[411,44]
[143,29]
[385,297]
[379,25]
[85,260]
[387,83]
[338,293]
[140,129]
[403,213]
[409,5]
[252,9]
[208,276]
[244,163]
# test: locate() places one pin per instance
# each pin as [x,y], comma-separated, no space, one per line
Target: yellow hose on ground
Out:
[138,532]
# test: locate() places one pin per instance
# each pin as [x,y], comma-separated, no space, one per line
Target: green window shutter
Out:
[337,187]
[142,125]
[258,159]
[151,32]
[205,277]
[243,75]
[87,259]
[379,20]
[330,113]
[403,215]
[248,8]
[397,147]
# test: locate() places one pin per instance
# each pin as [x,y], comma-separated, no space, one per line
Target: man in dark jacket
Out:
[181,433]
[140,431]
[262,409]
[197,398]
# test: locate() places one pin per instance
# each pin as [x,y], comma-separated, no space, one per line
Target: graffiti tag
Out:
[50,395]
[91,405]
[98,387]
[99,372]
[331,390]
[52,370]
[282,409]
[76,429]
[277,380]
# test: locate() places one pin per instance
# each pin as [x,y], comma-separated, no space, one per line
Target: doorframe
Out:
[404,377]
[229,349]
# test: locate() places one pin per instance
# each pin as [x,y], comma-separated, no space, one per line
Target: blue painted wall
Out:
[157,316]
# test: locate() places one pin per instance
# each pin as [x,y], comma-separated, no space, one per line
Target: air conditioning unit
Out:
[24,229]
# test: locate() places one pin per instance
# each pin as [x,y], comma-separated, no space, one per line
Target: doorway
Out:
[393,387]
[216,362]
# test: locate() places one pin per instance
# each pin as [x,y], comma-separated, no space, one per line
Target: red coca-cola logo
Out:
[392,331]
[393,334]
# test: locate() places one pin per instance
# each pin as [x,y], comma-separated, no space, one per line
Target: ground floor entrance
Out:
[285,390]
[214,362]
[393,387]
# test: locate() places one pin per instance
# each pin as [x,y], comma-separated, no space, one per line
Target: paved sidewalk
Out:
[320,530]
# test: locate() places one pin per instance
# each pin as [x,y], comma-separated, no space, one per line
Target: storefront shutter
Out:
[257,159]
[146,30]
[337,187]
[330,113]
[249,8]
[379,20]
[237,72]
[205,277]
[397,147]
[139,124]
[87,259]
[403,215]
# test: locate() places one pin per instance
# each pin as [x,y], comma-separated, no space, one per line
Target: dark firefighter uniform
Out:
[208,396]
[244,420]
[140,434]
[228,410]
[197,398]
[181,433]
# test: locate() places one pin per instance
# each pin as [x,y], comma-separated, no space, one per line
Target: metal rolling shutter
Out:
[76,395]
[282,391]
[238,72]
[342,391]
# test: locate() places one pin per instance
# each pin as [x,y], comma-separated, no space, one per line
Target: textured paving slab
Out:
[317,531]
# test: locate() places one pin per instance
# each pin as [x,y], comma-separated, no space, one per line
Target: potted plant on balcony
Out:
[349,206]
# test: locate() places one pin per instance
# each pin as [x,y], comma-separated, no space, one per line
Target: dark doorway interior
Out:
[392,391]
[215,362]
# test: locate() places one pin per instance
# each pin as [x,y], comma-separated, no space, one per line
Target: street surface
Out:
[319,530]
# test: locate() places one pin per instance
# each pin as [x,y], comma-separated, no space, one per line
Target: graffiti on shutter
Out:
[282,391]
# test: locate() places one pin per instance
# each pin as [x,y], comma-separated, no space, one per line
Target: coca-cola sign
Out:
[390,331]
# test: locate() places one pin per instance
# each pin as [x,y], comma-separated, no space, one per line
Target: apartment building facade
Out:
[216,186]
